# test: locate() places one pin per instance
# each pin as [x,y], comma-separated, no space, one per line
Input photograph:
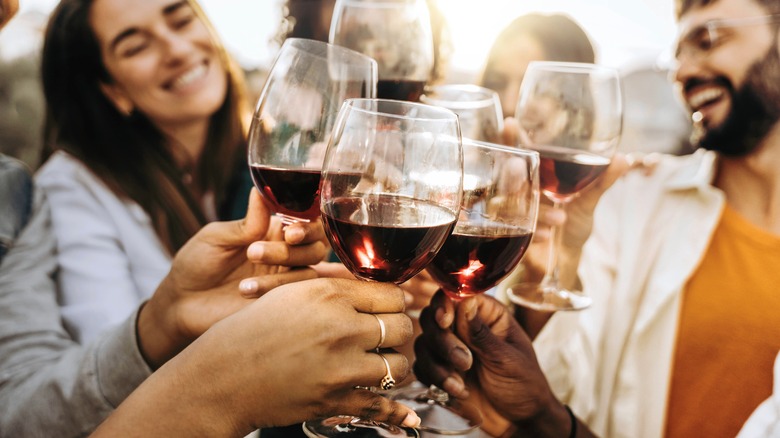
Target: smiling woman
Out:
[144,145]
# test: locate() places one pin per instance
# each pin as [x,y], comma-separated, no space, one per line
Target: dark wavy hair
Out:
[129,153]
[560,37]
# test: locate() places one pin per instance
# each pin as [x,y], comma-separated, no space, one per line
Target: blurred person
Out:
[531,37]
[144,145]
[311,19]
[683,335]
[21,108]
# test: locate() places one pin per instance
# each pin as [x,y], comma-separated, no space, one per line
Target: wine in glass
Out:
[391,191]
[494,228]
[294,117]
[397,34]
[478,109]
[571,113]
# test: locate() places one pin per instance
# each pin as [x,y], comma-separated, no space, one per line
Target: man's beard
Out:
[755,108]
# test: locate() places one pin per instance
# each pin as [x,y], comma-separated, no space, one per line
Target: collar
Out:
[696,172]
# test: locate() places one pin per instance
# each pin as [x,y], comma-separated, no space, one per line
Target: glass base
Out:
[439,413]
[346,425]
[547,298]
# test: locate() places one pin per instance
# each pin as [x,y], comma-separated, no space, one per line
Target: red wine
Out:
[386,237]
[292,192]
[564,172]
[474,259]
[400,89]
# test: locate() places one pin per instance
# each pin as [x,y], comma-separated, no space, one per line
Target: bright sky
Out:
[623,30]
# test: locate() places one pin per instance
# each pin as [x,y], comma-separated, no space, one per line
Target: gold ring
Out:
[387,381]
[382,332]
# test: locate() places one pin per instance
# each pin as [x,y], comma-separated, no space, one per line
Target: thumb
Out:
[255,225]
[241,232]
[477,333]
[511,134]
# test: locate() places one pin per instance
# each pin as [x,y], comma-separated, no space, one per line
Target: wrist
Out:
[157,338]
[554,421]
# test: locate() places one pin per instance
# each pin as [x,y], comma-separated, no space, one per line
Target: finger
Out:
[280,253]
[428,369]
[443,308]
[369,405]
[256,287]
[444,344]
[304,232]
[332,270]
[374,369]
[479,334]
[368,296]
[550,216]
[398,330]
[511,134]
[241,232]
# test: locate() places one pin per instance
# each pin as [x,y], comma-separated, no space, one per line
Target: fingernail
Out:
[294,234]
[255,251]
[248,286]
[461,358]
[453,386]
[411,420]
[443,318]
[471,309]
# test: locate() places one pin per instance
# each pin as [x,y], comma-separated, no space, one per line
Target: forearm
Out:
[559,421]
[179,399]
[157,340]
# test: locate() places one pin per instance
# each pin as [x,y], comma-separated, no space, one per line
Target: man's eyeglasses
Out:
[703,38]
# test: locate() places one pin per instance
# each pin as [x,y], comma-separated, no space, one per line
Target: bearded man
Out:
[683,266]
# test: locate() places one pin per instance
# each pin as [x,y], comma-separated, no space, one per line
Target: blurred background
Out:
[634,36]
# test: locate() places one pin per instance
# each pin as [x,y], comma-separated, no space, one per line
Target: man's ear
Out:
[117,97]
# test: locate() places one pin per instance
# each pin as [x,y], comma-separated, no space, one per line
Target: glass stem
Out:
[551,274]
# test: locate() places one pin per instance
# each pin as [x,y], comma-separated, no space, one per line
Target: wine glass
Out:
[478,109]
[494,228]
[391,191]
[397,34]
[307,84]
[571,113]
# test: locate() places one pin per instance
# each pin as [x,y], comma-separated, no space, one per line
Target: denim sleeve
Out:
[15,201]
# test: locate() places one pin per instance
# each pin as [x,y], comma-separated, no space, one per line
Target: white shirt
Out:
[612,362]
[109,255]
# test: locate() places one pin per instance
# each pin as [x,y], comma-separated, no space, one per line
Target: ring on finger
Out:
[387,381]
[382,332]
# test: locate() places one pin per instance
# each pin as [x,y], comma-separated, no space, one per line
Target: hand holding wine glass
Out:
[494,228]
[391,191]
[397,34]
[571,113]
[294,118]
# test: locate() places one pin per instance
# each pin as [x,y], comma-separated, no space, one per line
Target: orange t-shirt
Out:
[728,334]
